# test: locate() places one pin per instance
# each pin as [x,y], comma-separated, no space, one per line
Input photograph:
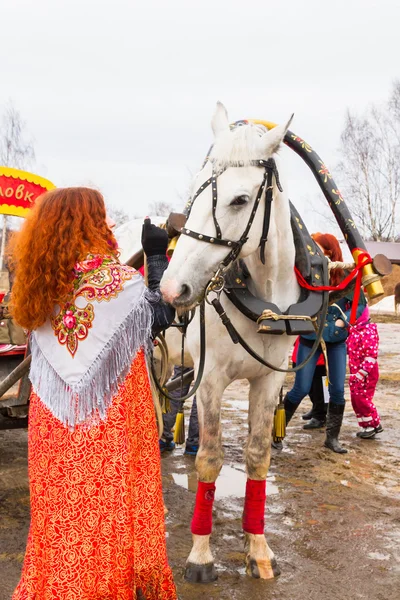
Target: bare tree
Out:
[370,168]
[394,102]
[15,152]
[160,208]
[119,215]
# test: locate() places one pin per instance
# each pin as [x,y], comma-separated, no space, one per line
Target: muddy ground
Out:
[333,521]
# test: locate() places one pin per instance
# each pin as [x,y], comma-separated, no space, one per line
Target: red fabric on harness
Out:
[202,517]
[254,506]
[356,296]
[362,260]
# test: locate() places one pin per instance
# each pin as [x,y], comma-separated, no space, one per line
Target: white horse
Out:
[193,264]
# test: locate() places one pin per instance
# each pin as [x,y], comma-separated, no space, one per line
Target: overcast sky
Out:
[119,93]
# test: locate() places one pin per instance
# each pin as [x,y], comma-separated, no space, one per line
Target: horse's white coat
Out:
[191,268]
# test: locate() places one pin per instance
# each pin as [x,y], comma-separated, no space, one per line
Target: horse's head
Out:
[223,208]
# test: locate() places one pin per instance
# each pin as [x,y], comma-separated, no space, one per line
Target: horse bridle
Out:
[270,170]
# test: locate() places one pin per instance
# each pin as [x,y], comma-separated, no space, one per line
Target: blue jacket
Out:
[333,334]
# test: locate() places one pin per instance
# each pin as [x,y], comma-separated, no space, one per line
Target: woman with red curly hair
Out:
[334,335]
[97,518]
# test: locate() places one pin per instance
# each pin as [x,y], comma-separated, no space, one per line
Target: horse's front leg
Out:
[200,564]
[260,560]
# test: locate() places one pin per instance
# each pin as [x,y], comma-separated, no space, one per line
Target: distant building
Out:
[390,249]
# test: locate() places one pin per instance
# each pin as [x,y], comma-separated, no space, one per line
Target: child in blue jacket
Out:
[334,334]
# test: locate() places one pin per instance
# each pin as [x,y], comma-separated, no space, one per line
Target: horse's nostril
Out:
[185,289]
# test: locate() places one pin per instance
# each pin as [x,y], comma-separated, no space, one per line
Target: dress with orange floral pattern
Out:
[97,520]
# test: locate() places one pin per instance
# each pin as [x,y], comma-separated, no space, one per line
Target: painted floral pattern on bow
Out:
[339,197]
[324,171]
[299,222]
[302,143]
[351,224]
[72,324]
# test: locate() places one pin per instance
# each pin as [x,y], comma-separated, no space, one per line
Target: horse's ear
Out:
[220,121]
[274,137]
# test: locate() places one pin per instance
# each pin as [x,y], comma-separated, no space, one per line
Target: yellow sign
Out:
[19,190]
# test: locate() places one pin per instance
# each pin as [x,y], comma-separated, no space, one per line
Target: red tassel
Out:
[356,296]
[254,506]
[202,517]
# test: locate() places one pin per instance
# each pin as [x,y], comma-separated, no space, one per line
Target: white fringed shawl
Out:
[108,320]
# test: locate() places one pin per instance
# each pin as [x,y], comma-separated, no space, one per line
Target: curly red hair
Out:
[64,226]
[331,247]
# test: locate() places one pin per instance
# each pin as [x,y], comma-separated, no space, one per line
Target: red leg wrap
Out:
[254,506]
[202,517]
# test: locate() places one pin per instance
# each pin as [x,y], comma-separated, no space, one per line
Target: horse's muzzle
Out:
[179,295]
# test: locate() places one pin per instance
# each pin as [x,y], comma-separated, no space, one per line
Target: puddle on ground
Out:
[378,556]
[231,482]
[236,405]
[230,538]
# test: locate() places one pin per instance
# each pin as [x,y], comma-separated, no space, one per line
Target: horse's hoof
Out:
[262,568]
[200,573]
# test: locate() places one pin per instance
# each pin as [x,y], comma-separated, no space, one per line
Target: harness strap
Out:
[207,238]
[214,206]
[267,216]
[272,171]
[199,191]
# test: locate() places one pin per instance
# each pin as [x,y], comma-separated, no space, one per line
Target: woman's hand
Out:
[154,239]
[340,323]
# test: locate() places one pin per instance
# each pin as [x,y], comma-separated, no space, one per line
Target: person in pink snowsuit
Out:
[362,349]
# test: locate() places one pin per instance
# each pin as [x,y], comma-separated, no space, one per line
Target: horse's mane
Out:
[240,145]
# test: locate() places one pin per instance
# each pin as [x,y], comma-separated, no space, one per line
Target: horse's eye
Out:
[240,201]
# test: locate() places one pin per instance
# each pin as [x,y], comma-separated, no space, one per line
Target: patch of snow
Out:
[385,306]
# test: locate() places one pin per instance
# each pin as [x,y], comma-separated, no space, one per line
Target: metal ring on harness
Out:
[216,285]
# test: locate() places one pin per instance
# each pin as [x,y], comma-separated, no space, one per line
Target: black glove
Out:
[154,239]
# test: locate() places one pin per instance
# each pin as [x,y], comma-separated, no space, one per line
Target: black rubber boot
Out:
[308,415]
[314,423]
[290,408]
[333,424]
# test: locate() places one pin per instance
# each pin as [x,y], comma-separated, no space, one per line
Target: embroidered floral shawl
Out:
[84,351]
